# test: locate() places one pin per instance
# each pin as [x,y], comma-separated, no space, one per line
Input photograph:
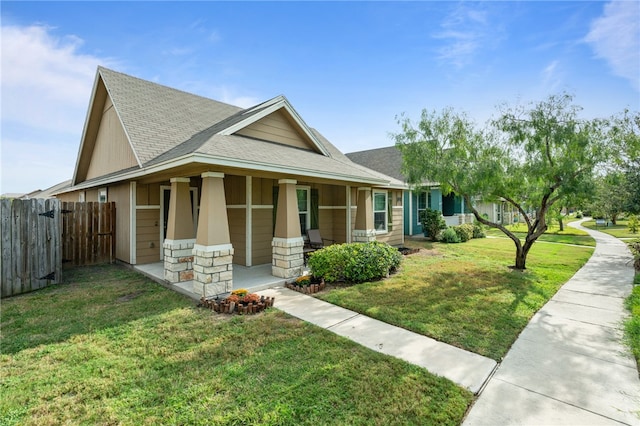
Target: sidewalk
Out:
[462,367]
[569,365]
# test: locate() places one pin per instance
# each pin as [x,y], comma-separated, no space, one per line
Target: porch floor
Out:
[252,278]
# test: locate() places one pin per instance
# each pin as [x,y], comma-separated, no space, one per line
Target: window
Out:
[380,211]
[81,196]
[102,195]
[423,204]
[304,202]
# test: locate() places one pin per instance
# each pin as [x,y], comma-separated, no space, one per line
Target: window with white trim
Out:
[102,195]
[304,208]
[380,211]
[424,199]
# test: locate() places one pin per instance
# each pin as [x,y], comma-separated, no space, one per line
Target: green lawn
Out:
[466,294]
[111,347]
[619,230]
[553,234]
[632,324]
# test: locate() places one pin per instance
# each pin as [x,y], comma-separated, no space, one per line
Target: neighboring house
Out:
[202,185]
[388,160]
[49,192]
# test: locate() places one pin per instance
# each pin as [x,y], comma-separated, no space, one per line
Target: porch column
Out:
[178,246]
[287,244]
[364,231]
[213,252]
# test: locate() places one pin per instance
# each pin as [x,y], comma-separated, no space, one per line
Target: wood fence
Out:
[37,236]
[30,244]
[88,233]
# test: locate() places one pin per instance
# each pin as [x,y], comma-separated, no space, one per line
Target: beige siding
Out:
[234,189]
[112,151]
[120,195]
[148,195]
[277,127]
[147,235]
[262,191]
[262,226]
[237,234]
[69,196]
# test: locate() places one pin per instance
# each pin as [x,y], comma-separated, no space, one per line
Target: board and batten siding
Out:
[112,151]
[120,194]
[262,227]
[147,235]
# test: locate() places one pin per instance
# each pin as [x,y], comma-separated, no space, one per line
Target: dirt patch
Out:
[128,297]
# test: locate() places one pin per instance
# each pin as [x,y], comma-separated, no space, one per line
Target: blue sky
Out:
[349,68]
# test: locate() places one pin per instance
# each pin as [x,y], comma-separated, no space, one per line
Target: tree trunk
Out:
[561,224]
[521,255]
[521,260]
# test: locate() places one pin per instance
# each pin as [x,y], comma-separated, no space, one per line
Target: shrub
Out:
[579,214]
[355,262]
[464,232]
[634,247]
[478,231]
[633,224]
[432,223]
[449,235]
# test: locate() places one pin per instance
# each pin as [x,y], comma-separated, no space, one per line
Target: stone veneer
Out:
[213,269]
[364,235]
[288,258]
[178,260]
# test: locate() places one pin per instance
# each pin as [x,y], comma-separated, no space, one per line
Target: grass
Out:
[619,230]
[111,347]
[465,294]
[632,324]
[553,234]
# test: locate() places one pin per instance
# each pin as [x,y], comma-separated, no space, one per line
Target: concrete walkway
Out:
[462,367]
[569,365]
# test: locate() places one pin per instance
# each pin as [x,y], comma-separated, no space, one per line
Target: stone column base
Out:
[178,260]
[213,269]
[364,235]
[288,259]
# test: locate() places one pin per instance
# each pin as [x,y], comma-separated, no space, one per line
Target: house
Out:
[388,160]
[201,185]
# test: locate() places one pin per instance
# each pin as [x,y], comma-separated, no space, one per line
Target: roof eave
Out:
[230,162]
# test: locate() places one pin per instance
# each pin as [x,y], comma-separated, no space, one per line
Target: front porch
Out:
[254,278]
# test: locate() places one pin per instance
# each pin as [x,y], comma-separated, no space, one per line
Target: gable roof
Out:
[387,160]
[166,127]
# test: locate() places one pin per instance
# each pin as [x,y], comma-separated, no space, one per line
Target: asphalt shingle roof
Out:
[386,160]
[164,124]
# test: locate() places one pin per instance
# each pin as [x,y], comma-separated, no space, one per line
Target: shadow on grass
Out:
[89,299]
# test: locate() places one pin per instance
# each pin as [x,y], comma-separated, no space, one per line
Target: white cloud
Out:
[45,85]
[465,31]
[552,77]
[615,37]
[45,81]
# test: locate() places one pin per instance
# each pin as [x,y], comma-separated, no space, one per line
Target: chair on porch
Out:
[315,242]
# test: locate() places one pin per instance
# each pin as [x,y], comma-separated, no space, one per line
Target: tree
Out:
[611,196]
[531,157]
[625,136]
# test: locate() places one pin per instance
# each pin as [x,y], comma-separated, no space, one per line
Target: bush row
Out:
[354,262]
[461,233]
